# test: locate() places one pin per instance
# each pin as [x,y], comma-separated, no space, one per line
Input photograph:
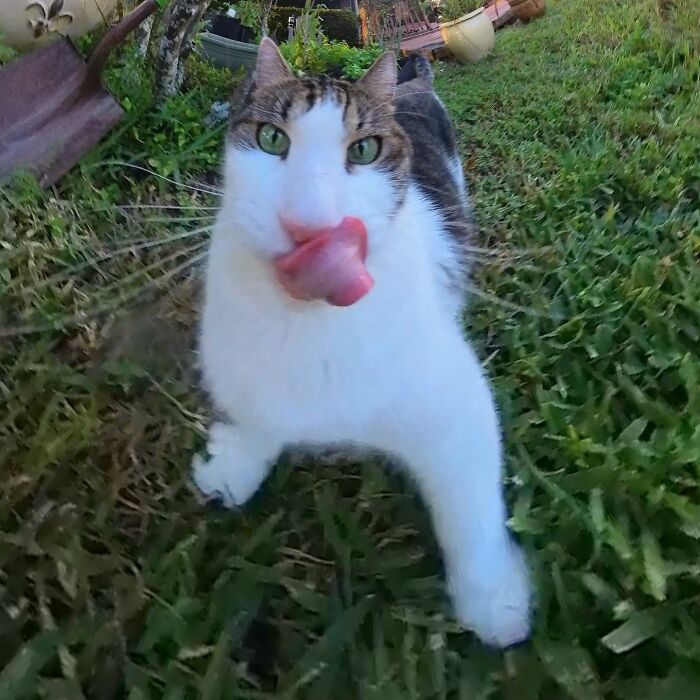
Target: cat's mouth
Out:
[330,266]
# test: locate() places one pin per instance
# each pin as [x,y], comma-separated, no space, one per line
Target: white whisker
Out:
[168,219]
[81,317]
[109,256]
[133,166]
[161,206]
[152,266]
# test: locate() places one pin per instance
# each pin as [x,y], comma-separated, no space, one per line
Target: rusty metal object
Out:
[53,106]
[525,10]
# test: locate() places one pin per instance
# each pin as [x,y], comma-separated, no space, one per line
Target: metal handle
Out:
[117,34]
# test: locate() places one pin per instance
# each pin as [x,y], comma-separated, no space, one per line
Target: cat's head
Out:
[315,159]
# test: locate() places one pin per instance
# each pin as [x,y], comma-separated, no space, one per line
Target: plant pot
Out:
[28,24]
[230,28]
[525,10]
[228,53]
[470,37]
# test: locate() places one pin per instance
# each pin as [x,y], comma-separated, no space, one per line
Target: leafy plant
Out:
[310,51]
[172,137]
[451,10]
[308,37]
[338,25]
[248,13]
[331,57]
[430,9]
[219,7]
[254,14]
[354,62]
[6,53]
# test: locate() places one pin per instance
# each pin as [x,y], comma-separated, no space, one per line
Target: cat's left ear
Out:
[270,67]
[380,78]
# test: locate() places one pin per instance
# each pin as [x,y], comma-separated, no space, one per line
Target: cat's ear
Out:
[271,67]
[380,78]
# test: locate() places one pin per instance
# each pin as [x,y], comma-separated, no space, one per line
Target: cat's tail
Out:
[417,67]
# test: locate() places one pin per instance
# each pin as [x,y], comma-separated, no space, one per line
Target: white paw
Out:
[494,599]
[234,470]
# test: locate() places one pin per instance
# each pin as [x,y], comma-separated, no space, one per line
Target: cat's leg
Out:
[239,462]
[450,442]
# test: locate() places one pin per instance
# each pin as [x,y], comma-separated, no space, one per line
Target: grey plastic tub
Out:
[228,53]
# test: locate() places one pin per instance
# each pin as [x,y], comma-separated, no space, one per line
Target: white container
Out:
[28,24]
[470,37]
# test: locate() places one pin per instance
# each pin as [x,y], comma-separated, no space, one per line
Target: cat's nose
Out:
[301,233]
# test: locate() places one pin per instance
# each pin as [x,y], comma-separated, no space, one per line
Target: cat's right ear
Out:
[271,67]
[380,77]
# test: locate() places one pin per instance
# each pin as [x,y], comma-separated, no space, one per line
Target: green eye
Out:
[272,139]
[364,151]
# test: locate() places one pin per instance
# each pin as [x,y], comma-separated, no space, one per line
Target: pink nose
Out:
[300,233]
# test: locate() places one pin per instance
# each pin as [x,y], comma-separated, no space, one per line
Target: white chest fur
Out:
[393,372]
[316,372]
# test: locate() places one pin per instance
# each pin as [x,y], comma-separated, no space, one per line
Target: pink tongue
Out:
[330,266]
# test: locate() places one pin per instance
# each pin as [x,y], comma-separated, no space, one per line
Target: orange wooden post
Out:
[364,31]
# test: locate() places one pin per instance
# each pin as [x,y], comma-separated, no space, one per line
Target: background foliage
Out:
[338,25]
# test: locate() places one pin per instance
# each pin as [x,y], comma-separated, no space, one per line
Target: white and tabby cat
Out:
[332,311]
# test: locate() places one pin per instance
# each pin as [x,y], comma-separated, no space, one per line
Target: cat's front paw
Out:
[234,470]
[494,598]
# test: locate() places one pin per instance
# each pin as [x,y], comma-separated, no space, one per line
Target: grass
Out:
[582,141]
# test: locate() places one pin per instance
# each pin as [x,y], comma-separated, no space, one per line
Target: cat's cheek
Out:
[371,197]
[251,207]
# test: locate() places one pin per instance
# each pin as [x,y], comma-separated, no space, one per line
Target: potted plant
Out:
[466,29]
[525,10]
[229,25]
[233,38]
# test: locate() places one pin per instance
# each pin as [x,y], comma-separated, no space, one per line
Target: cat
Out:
[334,288]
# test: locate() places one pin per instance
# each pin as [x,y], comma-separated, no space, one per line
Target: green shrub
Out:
[219,7]
[171,138]
[214,82]
[328,4]
[338,25]
[333,57]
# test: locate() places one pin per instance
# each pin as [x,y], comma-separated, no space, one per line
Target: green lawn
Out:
[581,136]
